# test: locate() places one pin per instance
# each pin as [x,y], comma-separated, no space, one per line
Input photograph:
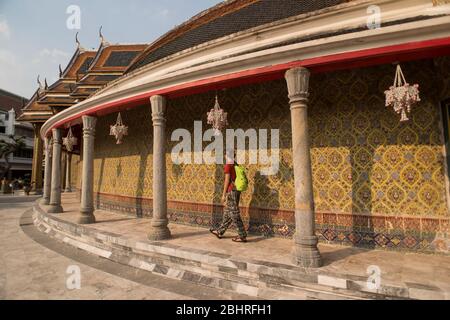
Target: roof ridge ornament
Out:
[45,84]
[40,86]
[79,46]
[103,42]
[60,71]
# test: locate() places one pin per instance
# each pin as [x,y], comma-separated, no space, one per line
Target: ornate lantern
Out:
[119,130]
[401,95]
[70,140]
[217,117]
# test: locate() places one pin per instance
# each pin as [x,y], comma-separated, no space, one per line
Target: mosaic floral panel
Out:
[364,160]
[125,169]
[247,107]
[75,173]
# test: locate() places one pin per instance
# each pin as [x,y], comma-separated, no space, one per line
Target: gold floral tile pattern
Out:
[364,160]
[75,171]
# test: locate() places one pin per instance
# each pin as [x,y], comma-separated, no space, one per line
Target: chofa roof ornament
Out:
[217,117]
[119,130]
[102,38]
[79,47]
[401,96]
[41,88]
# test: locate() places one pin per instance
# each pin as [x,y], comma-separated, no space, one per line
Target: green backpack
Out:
[241,181]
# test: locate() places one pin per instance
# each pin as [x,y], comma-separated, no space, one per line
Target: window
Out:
[2,129]
[24,153]
[21,131]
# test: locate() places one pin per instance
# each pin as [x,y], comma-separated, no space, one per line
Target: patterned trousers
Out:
[231,214]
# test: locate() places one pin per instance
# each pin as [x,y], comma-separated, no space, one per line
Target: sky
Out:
[37,36]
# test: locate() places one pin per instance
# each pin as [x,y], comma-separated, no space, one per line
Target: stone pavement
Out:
[419,275]
[30,270]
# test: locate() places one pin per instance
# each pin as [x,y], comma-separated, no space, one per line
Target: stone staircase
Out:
[262,279]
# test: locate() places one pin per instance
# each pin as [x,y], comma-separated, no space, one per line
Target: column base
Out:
[86,218]
[159,233]
[305,253]
[55,208]
[68,190]
[45,201]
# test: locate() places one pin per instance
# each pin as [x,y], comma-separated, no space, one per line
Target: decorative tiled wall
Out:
[75,173]
[376,180]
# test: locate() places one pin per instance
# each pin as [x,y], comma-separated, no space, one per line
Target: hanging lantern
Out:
[119,130]
[70,140]
[217,117]
[401,96]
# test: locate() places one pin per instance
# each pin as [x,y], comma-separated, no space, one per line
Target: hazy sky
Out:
[34,37]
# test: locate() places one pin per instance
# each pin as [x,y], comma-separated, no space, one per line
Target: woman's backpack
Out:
[241,182]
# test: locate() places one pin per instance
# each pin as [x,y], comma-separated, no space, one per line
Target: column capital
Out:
[37,127]
[158,104]
[297,80]
[89,123]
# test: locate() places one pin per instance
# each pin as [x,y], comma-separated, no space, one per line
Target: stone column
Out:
[306,252]
[68,172]
[55,195]
[36,169]
[159,228]
[47,171]
[87,175]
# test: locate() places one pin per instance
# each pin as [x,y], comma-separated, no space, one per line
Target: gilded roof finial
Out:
[102,38]
[79,47]
[39,82]
[77,41]
[60,71]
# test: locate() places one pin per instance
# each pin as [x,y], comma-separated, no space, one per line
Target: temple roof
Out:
[226,18]
[79,64]
[109,63]
[33,111]
[86,72]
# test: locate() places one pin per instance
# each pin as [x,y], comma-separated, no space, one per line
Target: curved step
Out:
[251,277]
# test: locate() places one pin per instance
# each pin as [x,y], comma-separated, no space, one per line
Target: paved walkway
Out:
[33,266]
[397,268]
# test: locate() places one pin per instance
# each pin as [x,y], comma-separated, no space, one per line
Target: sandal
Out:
[216,233]
[239,239]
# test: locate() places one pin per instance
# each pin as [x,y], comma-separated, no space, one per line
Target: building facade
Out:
[349,170]
[10,109]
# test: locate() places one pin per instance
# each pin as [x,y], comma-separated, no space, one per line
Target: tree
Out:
[9,147]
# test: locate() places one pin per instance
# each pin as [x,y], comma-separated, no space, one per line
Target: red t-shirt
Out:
[229,168]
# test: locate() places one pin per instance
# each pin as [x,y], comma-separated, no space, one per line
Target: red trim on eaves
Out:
[348,60]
